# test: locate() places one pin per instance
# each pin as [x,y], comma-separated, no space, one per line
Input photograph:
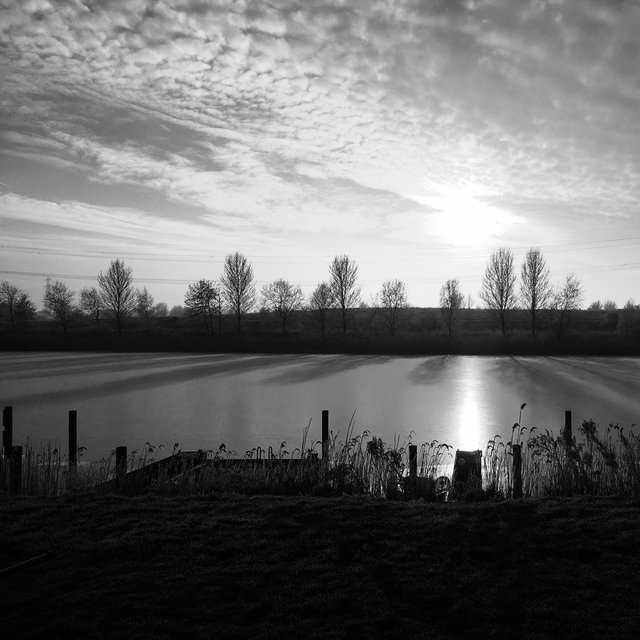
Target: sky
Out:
[415,136]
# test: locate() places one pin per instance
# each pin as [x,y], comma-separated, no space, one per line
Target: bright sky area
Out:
[415,136]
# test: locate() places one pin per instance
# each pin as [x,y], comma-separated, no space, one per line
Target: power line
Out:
[420,280]
[270,259]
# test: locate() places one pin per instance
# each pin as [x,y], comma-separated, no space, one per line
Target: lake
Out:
[244,401]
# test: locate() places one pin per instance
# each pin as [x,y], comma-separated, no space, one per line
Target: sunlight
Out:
[471,414]
[462,219]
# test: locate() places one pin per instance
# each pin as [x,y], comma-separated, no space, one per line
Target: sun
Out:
[462,219]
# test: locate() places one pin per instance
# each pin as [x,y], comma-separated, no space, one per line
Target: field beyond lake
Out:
[274,567]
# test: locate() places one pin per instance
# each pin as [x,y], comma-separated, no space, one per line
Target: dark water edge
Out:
[517,343]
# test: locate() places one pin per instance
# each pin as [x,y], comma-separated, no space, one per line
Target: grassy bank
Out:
[275,567]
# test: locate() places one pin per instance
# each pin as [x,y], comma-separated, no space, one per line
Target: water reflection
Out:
[471,410]
[260,400]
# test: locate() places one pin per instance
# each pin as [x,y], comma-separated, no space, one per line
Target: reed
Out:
[601,462]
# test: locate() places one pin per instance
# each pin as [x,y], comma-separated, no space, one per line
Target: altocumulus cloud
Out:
[359,116]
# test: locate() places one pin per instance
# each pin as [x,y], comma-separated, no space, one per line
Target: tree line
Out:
[504,289]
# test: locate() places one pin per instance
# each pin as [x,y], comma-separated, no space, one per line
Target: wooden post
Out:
[15,470]
[413,461]
[73,439]
[412,480]
[517,471]
[121,464]
[567,429]
[7,433]
[325,434]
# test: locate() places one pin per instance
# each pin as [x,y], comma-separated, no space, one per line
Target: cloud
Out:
[324,116]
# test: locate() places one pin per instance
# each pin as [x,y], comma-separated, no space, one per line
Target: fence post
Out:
[413,460]
[413,471]
[15,470]
[121,465]
[517,470]
[7,432]
[567,429]
[325,434]
[73,440]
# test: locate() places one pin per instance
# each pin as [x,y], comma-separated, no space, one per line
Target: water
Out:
[244,401]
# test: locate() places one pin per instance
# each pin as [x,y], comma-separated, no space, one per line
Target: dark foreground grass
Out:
[276,567]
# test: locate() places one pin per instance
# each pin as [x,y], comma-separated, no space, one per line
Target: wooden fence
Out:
[467,464]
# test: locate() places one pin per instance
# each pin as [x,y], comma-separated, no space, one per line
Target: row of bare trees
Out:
[235,293]
[20,308]
[500,292]
[115,293]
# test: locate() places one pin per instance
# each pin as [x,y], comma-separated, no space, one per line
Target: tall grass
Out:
[593,462]
[46,471]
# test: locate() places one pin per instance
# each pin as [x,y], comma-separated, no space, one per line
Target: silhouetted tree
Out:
[610,305]
[204,299]
[595,306]
[117,291]
[91,303]
[58,302]
[321,301]
[144,306]
[565,299]
[161,310]
[25,310]
[535,287]
[9,296]
[282,298]
[343,274]
[451,301]
[629,318]
[393,298]
[499,285]
[177,311]
[238,286]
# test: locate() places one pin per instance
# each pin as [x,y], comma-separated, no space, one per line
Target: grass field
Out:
[285,567]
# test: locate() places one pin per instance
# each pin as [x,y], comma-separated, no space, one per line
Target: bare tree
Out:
[499,285]
[144,306]
[393,298]
[451,301]
[238,286]
[58,302]
[610,305]
[205,300]
[161,310]
[565,299]
[321,301]
[343,274]
[91,303]
[9,296]
[282,298]
[535,287]
[25,310]
[629,318]
[117,291]
[595,306]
